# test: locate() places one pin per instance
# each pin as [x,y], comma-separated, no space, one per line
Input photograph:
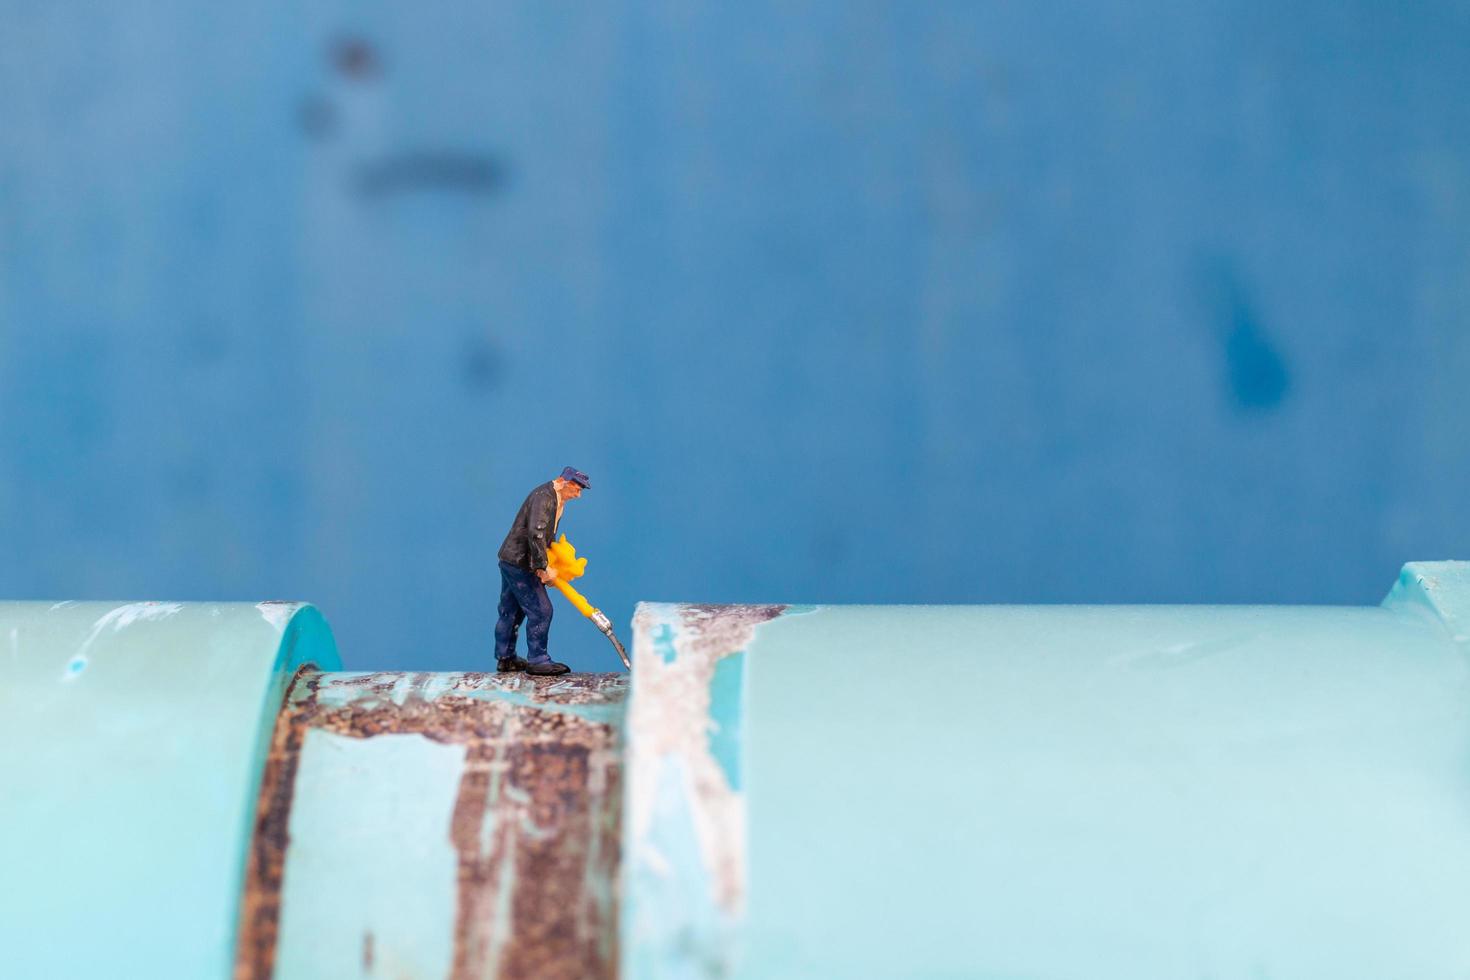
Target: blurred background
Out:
[835,302]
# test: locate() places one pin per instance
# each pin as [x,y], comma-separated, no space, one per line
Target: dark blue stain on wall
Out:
[356,58]
[1256,375]
[443,170]
[480,364]
[1258,378]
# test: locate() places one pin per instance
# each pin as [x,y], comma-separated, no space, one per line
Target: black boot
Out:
[510,665]
[547,668]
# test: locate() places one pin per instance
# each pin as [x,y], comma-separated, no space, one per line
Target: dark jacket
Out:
[534,528]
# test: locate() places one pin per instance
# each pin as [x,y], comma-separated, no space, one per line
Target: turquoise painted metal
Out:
[131,742]
[1061,792]
[1002,791]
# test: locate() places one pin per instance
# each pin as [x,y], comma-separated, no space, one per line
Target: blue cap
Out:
[577,477]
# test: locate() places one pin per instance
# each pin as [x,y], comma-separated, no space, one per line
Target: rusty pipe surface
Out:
[437,825]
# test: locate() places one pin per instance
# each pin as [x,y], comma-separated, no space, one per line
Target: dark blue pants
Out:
[522,597]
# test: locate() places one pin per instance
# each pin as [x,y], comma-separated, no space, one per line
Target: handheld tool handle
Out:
[583,606]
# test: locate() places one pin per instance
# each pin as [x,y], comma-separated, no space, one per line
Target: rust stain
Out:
[535,824]
[716,631]
[475,909]
[260,905]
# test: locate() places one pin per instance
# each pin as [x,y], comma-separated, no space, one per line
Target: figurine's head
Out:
[571,483]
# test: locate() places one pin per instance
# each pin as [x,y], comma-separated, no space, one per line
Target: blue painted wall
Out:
[836,302]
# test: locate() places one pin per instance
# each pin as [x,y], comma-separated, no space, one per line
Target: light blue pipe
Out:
[131,741]
[1062,792]
[1058,792]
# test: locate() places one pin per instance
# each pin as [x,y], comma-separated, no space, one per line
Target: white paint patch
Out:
[124,616]
[62,604]
[672,776]
[278,614]
[136,612]
[656,861]
[369,825]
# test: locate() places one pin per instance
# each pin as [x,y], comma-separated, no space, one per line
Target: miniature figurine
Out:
[525,573]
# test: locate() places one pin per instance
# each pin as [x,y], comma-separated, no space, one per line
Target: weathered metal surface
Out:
[394,801]
[684,838]
[260,902]
[131,741]
[1078,792]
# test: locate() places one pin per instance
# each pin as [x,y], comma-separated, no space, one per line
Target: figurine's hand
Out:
[546,575]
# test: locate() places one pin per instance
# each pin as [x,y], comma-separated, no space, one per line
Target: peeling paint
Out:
[122,617]
[260,906]
[535,823]
[136,612]
[599,713]
[684,874]
[369,853]
[278,612]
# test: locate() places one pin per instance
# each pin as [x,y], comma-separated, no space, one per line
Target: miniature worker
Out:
[524,575]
